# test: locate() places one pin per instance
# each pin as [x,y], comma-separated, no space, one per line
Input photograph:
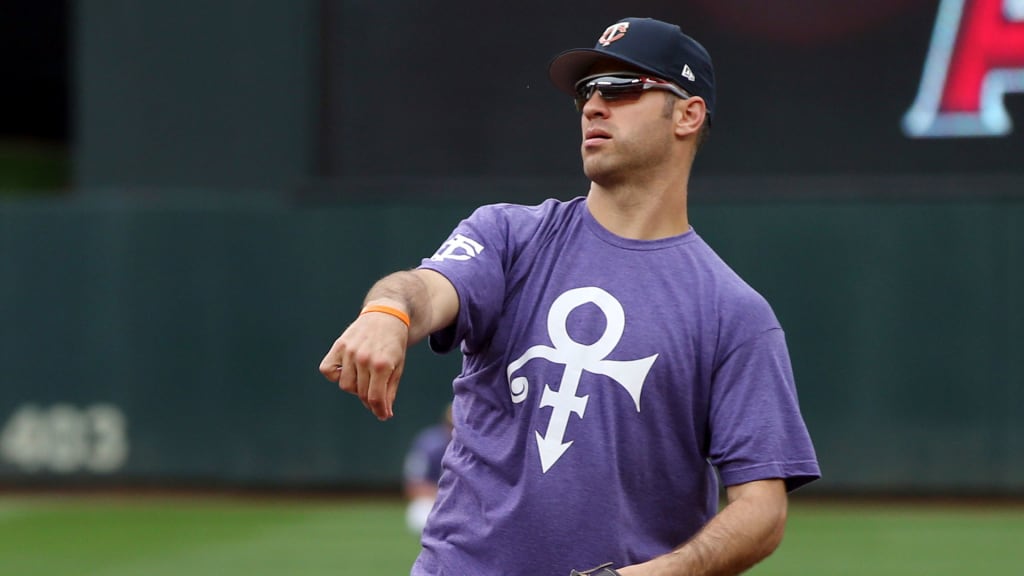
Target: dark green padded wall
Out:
[204,325]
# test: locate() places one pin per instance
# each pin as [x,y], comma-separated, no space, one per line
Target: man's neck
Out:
[646,212]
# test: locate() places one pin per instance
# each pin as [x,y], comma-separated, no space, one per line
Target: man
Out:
[614,367]
[422,470]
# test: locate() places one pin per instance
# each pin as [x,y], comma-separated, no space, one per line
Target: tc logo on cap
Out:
[613,33]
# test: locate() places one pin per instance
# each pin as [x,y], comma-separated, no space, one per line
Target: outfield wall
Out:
[178,341]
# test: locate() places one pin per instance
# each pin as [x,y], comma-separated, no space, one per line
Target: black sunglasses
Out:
[621,87]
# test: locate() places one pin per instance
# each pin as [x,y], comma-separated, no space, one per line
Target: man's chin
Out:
[605,179]
[600,173]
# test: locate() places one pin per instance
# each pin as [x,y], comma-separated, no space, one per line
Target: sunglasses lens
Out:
[610,88]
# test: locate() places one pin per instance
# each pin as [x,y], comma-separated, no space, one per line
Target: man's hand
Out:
[367,360]
[401,309]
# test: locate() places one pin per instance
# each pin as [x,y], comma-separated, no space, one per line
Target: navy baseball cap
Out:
[658,48]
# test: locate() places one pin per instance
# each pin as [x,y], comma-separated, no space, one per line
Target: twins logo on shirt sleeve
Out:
[578,359]
[458,247]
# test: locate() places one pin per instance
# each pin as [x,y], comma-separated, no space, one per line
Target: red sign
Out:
[976,57]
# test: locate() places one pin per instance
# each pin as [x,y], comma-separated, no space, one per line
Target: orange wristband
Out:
[388,310]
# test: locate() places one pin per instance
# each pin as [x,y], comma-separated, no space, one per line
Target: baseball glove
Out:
[602,570]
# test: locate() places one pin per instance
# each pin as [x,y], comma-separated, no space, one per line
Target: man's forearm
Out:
[407,292]
[427,298]
[742,534]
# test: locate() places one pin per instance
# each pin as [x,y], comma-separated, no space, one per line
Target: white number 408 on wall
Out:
[65,439]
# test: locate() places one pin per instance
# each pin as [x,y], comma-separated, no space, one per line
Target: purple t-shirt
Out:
[604,382]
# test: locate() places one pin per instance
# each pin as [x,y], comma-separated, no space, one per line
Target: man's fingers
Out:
[331,365]
[396,377]
[346,379]
[330,371]
[379,395]
[363,378]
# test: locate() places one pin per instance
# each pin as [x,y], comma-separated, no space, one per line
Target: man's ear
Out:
[690,115]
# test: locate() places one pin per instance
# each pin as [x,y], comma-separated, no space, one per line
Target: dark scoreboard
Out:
[805,87]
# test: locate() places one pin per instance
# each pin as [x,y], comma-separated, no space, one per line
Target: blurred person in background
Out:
[422,470]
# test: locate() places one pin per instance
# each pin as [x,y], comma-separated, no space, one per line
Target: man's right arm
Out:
[426,296]
[368,358]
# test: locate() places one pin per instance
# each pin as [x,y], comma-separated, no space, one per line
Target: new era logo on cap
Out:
[658,48]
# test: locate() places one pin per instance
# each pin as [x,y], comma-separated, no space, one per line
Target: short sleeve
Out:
[473,260]
[756,429]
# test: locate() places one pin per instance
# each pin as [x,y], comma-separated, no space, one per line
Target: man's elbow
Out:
[775,529]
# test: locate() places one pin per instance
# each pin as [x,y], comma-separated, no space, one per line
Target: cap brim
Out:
[571,66]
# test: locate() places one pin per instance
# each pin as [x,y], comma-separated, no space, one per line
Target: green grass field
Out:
[155,536]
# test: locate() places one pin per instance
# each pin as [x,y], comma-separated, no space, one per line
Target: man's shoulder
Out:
[735,296]
[551,207]
[523,224]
